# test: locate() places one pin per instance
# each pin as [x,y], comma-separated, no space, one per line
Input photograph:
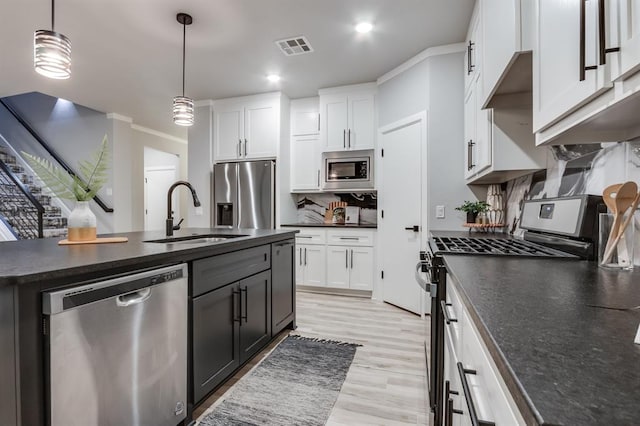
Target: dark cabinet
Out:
[255,314]
[216,350]
[231,312]
[283,291]
[8,390]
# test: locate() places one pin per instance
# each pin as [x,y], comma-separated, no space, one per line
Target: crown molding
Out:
[159,134]
[427,53]
[119,117]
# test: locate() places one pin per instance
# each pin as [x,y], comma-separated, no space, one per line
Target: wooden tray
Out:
[96,241]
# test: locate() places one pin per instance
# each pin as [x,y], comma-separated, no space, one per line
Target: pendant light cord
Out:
[53,14]
[184,36]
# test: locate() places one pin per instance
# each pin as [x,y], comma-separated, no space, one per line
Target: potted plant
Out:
[472,209]
[80,187]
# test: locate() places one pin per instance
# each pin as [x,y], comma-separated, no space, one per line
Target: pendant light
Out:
[182,105]
[52,51]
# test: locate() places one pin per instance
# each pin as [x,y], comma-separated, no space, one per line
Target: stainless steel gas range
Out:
[563,228]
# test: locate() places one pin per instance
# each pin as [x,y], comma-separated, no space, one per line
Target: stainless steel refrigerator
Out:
[244,195]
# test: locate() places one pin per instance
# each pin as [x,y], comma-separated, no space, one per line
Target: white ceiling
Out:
[126,54]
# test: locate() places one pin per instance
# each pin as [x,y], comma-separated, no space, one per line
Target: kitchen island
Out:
[30,267]
[560,332]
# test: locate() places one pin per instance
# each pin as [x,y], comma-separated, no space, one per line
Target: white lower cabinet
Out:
[350,267]
[339,259]
[488,393]
[310,265]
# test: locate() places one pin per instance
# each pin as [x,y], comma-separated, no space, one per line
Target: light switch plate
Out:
[637,340]
[439,212]
[199,211]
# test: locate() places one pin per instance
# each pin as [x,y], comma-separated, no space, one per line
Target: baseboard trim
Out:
[336,291]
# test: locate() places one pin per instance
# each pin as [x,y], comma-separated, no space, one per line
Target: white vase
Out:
[81,224]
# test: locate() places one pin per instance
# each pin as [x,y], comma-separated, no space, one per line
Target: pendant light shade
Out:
[52,52]
[182,105]
[183,111]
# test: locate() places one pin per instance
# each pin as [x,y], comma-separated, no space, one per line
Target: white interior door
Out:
[401,200]
[157,181]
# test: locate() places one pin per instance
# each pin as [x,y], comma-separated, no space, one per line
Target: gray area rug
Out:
[297,384]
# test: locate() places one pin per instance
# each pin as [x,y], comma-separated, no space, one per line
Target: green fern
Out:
[92,175]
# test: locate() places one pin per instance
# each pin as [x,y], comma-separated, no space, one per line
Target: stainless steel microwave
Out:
[348,170]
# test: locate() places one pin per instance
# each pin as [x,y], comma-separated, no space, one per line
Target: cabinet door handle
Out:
[245,147]
[350,238]
[469,397]
[346,259]
[351,259]
[300,257]
[349,139]
[344,138]
[602,31]
[470,145]
[243,312]
[445,313]
[318,178]
[305,256]
[448,413]
[239,147]
[236,301]
[583,43]
[470,66]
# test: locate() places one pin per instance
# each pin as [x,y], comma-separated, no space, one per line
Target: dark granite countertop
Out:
[43,260]
[328,225]
[566,358]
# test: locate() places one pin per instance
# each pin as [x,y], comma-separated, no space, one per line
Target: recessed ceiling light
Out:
[364,27]
[274,78]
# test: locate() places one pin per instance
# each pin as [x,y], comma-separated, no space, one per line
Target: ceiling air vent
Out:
[294,46]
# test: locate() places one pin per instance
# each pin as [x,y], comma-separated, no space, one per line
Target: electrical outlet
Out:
[109,191]
[439,212]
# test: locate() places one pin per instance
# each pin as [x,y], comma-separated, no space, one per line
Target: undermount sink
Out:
[195,239]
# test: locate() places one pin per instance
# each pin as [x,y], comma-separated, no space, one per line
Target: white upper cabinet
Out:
[472,57]
[261,129]
[305,163]
[628,36]
[246,128]
[586,85]
[347,117]
[306,150]
[229,132]
[565,61]
[305,116]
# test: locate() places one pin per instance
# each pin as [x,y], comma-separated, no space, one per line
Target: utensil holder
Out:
[622,258]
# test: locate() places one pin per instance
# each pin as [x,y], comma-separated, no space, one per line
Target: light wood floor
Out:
[386,384]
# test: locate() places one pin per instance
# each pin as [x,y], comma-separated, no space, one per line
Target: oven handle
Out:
[445,313]
[427,286]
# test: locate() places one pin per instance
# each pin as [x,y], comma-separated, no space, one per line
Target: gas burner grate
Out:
[498,247]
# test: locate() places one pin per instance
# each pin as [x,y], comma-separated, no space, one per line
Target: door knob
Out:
[414,228]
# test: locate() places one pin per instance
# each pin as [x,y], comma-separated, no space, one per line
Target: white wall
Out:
[201,163]
[434,85]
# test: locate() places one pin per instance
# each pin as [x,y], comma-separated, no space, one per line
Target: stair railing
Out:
[11,190]
[50,150]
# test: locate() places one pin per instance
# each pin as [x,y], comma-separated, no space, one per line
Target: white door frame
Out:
[176,204]
[420,117]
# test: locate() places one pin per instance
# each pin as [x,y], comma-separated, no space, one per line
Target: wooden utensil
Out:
[623,198]
[608,196]
[620,236]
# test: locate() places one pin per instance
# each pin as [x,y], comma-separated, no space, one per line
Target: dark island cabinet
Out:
[231,313]
[8,390]
[283,285]
[216,350]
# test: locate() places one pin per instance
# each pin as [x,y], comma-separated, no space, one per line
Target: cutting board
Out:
[96,241]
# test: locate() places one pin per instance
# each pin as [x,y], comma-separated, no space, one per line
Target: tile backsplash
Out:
[312,207]
[576,170]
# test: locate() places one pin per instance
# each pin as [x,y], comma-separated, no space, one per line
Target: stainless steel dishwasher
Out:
[116,350]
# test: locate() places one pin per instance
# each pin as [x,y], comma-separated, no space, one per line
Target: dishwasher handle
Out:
[133,298]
